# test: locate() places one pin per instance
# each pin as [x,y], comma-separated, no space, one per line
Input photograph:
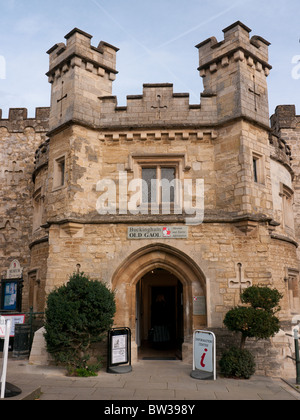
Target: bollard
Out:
[296,336]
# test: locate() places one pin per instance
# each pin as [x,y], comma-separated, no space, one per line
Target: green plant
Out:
[237,363]
[78,314]
[86,371]
[252,323]
[262,297]
[258,320]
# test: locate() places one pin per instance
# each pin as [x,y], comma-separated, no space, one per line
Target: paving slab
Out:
[149,380]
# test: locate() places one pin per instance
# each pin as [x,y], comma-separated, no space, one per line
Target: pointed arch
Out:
[148,258]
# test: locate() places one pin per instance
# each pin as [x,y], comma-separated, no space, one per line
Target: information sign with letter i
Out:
[204,355]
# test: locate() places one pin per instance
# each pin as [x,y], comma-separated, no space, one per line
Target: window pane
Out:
[61,169]
[255,173]
[149,174]
[168,187]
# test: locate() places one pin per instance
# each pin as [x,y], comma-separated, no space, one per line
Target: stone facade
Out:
[249,231]
[20,136]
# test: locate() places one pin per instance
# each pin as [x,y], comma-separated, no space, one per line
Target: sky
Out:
[156,39]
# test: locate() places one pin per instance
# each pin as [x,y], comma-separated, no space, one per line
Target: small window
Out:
[287,195]
[258,169]
[162,180]
[59,173]
[255,170]
[292,278]
[38,207]
[34,290]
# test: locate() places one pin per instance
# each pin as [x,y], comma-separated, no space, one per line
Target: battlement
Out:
[237,45]
[18,120]
[79,52]
[41,156]
[280,150]
[285,117]
[235,70]
[284,125]
[79,74]
[158,106]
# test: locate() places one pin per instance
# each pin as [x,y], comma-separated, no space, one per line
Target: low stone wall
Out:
[271,356]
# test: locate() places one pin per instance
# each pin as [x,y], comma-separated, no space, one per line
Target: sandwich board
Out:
[204,355]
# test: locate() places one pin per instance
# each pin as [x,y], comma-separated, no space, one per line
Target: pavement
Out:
[149,380]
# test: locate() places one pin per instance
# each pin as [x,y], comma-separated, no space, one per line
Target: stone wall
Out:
[20,136]
[286,124]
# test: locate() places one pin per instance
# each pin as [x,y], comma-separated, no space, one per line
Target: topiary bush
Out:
[237,363]
[263,298]
[257,320]
[78,314]
[252,323]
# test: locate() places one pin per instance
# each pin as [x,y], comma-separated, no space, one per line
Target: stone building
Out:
[76,191]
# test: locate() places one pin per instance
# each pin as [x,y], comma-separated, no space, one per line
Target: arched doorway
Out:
[159,315]
[132,274]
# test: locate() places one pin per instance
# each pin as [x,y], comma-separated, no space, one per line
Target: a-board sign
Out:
[15,319]
[7,390]
[5,326]
[119,350]
[2,327]
[204,355]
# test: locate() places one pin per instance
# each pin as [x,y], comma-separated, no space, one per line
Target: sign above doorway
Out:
[158,232]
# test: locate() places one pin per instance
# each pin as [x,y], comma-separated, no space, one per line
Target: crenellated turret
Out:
[80,74]
[235,72]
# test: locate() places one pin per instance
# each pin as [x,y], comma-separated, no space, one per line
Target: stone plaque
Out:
[158,232]
[199,305]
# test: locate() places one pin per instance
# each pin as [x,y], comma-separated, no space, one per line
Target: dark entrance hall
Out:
[159,316]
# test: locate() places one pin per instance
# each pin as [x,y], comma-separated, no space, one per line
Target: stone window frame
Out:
[59,173]
[258,168]
[136,162]
[34,289]
[38,207]
[287,195]
[292,279]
